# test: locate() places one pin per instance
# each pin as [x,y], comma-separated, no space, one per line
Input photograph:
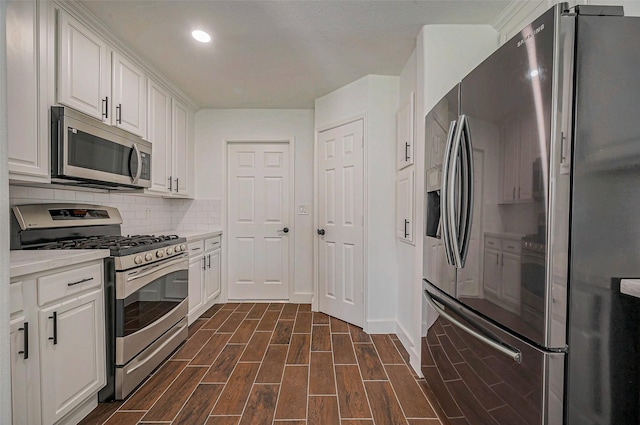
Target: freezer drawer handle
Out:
[516,356]
[630,287]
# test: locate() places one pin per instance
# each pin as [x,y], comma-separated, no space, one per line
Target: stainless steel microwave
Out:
[86,152]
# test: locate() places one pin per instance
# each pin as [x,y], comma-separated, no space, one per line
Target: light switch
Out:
[303,209]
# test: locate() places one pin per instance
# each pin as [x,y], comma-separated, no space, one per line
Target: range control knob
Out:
[159,253]
[148,256]
[183,247]
[170,251]
[137,259]
[177,248]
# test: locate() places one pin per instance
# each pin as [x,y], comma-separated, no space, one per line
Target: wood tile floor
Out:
[277,364]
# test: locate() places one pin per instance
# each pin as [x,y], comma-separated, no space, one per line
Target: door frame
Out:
[225,211]
[316,211]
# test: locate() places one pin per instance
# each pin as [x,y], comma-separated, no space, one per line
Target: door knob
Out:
[285,230]
[321,232]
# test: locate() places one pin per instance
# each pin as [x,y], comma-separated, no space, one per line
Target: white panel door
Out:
[258,221]
[341,222]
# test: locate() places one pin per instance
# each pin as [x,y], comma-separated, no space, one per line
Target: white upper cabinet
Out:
[404,133]
[170,133]
[97,81]
[129,111]
[84,69]
[181,117]
[27,82]
[159,134]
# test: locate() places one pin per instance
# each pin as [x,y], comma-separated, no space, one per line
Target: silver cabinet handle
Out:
[516,356]
[406,222]
[177,185]
[119,113]
[406,151]
[204,263]
[170,184]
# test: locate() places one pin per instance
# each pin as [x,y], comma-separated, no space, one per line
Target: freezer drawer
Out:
[481,374]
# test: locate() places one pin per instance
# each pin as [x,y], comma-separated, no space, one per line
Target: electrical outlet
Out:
[148,213]
[303,209]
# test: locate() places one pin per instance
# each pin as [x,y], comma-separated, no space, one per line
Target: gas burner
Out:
[119,245]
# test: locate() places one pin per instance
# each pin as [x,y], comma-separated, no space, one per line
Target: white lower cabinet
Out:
[57,344]
[204,275]
[71,354]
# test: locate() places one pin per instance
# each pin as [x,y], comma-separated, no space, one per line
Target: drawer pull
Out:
[80,281]
[55,328]
[196,249]
[25,351]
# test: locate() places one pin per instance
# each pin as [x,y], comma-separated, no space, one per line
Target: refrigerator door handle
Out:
[444,216]
[467,207]
[515,355]
[452,216]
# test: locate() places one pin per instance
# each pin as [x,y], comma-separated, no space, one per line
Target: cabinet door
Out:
[404,205]
[129,111]
[27,117]
[212,281]
[404,134]
[159,134]
[19,374]
[84,79]
[73,366]
[180,131]
[511,278]
[510,141]
[492,270]
[197,267]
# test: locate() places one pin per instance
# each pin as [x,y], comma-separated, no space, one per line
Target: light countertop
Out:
[193,235]
[23,262]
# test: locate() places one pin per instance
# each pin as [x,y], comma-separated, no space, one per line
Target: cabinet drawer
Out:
[491,242]
[212,243]
[509,245]
[196,248]
[16,301]
[70,282]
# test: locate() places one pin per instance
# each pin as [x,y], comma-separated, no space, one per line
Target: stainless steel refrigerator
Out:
[532,242]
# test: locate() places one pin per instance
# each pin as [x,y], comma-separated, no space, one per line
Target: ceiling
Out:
[278,54]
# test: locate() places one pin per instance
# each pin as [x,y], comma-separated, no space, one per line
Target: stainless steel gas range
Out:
[146,284]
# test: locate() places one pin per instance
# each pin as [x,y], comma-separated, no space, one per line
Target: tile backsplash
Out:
[140,214]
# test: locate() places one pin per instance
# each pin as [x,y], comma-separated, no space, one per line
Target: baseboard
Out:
[380,326]
[412,349]
[301,298]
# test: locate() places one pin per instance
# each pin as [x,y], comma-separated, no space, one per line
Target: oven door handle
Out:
[130,282]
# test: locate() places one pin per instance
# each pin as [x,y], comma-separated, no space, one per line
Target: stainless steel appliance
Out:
[146,284]
[88,153]
[533,230]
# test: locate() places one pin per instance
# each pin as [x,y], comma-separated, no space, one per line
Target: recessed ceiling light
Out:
[201,36]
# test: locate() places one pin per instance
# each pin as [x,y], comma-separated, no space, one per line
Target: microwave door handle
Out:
[467,158]
[454,159]
[136,176]
[446,236]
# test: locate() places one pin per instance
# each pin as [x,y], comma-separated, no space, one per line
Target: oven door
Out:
[149,301]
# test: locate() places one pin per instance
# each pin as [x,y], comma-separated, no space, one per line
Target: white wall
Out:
[5,369]
[444,55]
[375,97]
[216,126]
